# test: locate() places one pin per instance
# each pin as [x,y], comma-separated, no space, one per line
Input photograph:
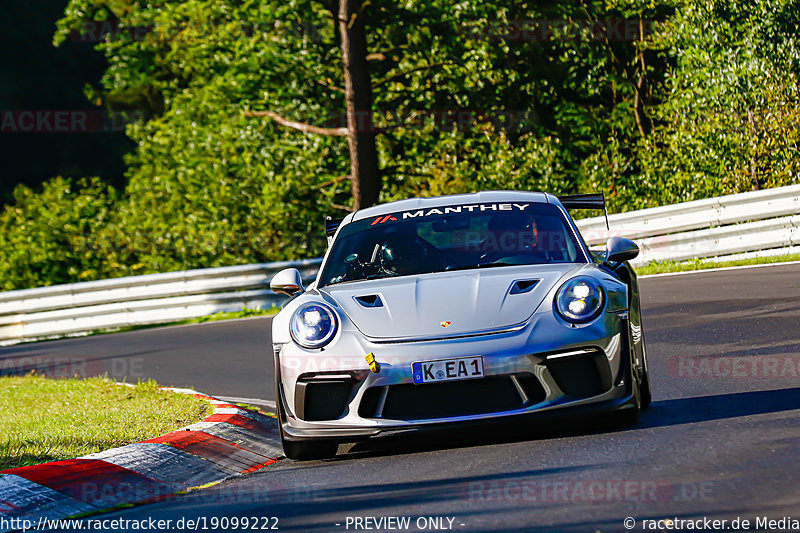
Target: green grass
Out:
[232,315]
[45,419]
[244,313]
[661,267]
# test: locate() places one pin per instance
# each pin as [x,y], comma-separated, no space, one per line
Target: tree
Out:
[364,172]
[454,97]
[358,96]
[728,117]
[48,237]
[433,98]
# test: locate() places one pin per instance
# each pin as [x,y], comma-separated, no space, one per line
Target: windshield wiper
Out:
[480,265]
[380,275]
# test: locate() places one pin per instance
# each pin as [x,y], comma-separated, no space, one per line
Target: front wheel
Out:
[644,390]
[644,387]
[304,450]
[630,415]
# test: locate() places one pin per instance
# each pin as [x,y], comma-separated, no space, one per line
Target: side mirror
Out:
[619,249]
[287,282]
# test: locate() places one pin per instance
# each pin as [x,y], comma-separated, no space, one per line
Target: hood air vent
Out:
[526,285]
[370,300]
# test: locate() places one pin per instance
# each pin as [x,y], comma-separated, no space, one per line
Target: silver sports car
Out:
[432,312]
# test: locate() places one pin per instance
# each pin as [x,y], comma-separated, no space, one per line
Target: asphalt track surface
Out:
[721,439]
[231,358]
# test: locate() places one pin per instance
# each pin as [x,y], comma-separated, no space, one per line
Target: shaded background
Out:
[36,75]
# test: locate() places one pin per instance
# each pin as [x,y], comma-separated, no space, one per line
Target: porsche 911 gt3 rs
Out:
[459,309]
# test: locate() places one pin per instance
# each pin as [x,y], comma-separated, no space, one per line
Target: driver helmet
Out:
[511,232]
[399,252]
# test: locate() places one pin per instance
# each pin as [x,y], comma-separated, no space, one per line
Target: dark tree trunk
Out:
[364,172]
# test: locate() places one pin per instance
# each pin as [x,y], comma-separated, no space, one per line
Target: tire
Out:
[644,387]
[630,415]
[644,390]
[304,450]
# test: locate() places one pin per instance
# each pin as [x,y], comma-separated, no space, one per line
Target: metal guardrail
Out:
[139,300]
[761,221]
[715,227]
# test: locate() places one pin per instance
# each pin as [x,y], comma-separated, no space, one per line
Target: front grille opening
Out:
[532,387]
[317,400]
[581,375]
[450,399]
[369,402]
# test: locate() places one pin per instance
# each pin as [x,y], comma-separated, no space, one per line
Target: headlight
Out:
[580,299]
[313,325]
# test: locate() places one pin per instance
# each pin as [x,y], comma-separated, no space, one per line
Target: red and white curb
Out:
[231,442]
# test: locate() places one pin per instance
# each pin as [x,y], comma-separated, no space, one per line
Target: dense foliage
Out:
[651,101]
[729,119]
[47,238]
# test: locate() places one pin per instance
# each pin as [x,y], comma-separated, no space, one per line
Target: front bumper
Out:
[542,368]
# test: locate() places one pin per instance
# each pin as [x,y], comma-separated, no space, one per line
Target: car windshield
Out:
[448,238]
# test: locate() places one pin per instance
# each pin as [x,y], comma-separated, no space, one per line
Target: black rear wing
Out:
[585,201]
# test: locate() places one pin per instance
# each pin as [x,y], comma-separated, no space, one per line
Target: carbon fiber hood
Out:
[446,303]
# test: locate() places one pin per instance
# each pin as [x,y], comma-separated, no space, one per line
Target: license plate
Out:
[448,369]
